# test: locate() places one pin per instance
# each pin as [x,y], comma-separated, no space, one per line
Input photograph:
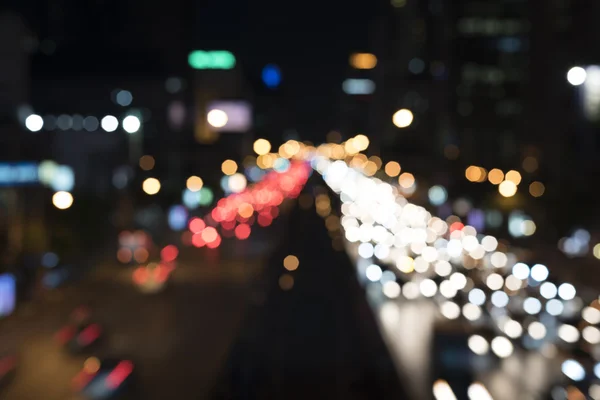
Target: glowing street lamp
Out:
[403,118]
[62,200]
[131,124]
[34,123]
[576,76]
[217,118]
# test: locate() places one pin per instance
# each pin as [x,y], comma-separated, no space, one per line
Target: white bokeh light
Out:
[403,118]
[502,347]
[109,123]
[34,123]
[217,118]
[131,124]
[566,291]
[576,76]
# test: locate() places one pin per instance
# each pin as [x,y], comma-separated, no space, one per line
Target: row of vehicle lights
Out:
[501,346]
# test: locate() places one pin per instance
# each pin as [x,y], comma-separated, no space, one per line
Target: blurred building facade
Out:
[490,79]
[412,41]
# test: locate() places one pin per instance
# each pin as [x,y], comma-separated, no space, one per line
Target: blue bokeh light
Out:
[271,76]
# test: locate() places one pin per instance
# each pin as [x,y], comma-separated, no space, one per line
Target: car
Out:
[79,338]
[80,333]
[104,379]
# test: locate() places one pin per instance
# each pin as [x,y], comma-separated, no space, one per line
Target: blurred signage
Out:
[363,60]
[239,115]
[22,173]
[218,59]
[7,294]
[358,86]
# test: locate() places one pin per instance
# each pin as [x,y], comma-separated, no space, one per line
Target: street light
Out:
[34,123]
[109,123]
[403,118]
[151,186]
[576,76]
[217,118]
[62,200]
[131,124]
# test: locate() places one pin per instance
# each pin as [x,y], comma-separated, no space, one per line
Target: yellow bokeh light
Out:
[151,186]
[194,183]
[338,152]
[496,176]
[475,174]
[361,142]
[283,152]
[537,189]
[217,118]
[91,365]
[147,162]
[370,168]
[406,180]
[377,161]
[405,264]
[392,169]
[229,167]
[62,200]
[261,147]
[530,164]
[507,188]
[291,263]
[265,161]
[292,147]
[403,118]
[363,60]
[350,147]
[596,251]
[513,176]
[359,161]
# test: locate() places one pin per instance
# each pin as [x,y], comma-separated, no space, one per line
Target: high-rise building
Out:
[411,41]
[490,79]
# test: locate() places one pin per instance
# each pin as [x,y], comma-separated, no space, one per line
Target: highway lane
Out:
[316,338]
[178,339]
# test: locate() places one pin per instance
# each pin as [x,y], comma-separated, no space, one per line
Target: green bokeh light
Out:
[220,59]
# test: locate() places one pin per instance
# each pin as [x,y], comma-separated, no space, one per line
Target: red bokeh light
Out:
[228,225]
[197,240]
[215,243]
[209,234]
[197,225]
[242,231]
[140,275]
[169,253]
[264,219]
[456,226]
[258,203]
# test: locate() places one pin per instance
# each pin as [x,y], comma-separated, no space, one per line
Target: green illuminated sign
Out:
[220,59]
